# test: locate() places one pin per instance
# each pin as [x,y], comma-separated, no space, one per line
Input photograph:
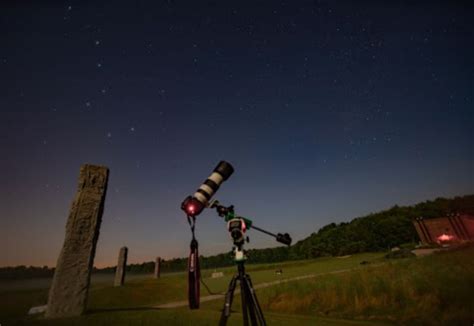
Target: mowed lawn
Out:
[431,290]
[132,303]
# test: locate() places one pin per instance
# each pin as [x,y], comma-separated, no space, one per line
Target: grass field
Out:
[435,289]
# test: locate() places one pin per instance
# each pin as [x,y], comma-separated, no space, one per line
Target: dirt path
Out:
[425,252]
[184,303]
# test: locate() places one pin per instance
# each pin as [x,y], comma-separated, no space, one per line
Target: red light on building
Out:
[445,238]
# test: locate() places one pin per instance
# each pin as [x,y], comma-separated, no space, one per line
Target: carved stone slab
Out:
[70,286]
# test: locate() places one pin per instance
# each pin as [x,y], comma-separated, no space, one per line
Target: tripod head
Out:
[238,225]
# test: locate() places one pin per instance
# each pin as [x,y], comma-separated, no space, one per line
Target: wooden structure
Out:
[449,229]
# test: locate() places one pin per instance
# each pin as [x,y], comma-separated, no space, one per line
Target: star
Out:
[132,129]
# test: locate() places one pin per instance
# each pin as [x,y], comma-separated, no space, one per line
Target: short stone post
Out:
[70,286]
[121,265]
[157,267]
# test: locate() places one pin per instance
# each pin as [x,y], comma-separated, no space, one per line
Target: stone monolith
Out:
[70,286]
[121,265]
[157,267]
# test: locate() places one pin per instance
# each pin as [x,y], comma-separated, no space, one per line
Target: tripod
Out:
[250,305]
[237,227]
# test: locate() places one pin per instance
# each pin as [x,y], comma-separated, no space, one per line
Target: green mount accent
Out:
[248,223]
[231,215]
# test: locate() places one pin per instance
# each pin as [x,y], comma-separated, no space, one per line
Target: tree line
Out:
[374,232]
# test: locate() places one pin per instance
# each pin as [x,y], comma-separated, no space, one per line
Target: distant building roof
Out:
[452,228]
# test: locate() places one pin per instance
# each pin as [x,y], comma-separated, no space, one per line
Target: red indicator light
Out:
[192,206]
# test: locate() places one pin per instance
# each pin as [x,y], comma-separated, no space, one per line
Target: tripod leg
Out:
[254,301]
[244,301]
[250,303]
[229,296]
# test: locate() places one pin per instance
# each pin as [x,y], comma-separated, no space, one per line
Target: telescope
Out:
[194,205]
[237,226]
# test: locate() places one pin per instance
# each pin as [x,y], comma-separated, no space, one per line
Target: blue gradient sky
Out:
[327,111]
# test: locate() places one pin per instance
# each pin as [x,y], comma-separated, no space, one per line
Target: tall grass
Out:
[434,290]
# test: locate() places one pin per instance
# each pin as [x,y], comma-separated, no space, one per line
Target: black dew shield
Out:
[194,275]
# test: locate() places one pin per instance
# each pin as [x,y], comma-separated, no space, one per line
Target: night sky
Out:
[326,110]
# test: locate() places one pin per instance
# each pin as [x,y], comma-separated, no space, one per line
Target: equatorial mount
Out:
[234,223]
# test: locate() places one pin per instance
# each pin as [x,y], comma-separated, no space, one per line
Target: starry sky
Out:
[327,110]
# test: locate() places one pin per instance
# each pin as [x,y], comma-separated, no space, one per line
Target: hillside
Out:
[378,231]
